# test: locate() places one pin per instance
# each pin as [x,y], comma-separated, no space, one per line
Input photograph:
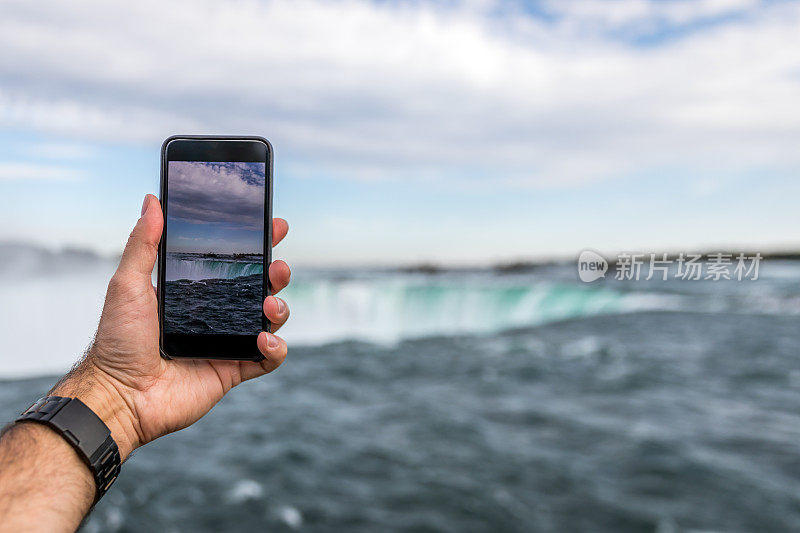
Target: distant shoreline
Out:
[78,255]
[217,255]
[522,266]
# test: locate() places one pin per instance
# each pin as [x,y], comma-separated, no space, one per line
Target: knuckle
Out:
[122,284]
[117,283]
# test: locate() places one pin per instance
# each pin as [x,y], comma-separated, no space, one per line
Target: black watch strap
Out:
[84,430]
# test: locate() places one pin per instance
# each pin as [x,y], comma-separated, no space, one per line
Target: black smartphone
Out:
[215,251]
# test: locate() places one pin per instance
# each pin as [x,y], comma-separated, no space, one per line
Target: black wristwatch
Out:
[84,430]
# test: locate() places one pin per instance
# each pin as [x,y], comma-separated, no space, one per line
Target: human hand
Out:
[138,394]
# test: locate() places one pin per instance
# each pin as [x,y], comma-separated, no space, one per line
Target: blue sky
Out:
[456,132]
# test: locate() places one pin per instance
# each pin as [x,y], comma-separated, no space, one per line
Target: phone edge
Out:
[161,259]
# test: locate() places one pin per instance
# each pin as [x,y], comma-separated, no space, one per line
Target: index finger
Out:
[279,230]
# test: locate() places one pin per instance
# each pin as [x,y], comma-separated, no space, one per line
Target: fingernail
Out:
[281,306]
[272,341]
[144,205]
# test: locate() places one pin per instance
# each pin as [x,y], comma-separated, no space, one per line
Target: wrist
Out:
[106,398]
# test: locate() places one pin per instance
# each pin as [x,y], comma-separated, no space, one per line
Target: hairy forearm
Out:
[44,485]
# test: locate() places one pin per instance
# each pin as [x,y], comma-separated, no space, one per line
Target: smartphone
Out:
[215,251]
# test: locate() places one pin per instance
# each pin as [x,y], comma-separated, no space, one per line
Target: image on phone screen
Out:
[213,273]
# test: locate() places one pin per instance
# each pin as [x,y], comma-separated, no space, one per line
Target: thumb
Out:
[141,251]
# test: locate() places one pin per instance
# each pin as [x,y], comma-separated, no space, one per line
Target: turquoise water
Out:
[199,267]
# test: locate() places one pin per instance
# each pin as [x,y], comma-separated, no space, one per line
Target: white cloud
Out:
[226,193]
[374,91]
[37,172]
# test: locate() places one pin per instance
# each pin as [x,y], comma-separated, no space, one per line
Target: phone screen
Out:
[215,247]
[214,240]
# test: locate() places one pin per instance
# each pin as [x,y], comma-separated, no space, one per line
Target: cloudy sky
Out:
[456,131]
[215,207]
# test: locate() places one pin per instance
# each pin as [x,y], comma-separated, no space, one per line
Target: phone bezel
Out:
[212,148]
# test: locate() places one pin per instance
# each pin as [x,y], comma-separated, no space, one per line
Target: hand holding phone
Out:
[137,393]
[123,379]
